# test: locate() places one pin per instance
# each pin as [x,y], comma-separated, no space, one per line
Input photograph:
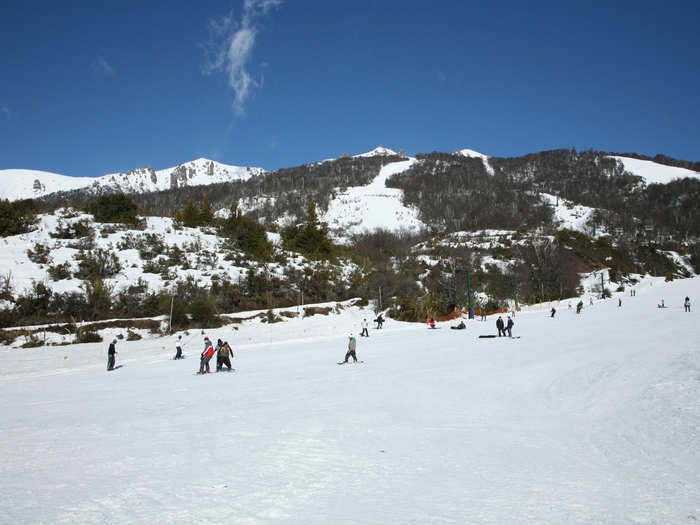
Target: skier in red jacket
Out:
[206,356]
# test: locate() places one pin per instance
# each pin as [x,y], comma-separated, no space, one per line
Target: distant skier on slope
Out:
[111,355]
[352,345]
[686,304]
[206,356]
[554,311]
[380,321]
[365,331]
[509,327]
[500,326]
[579,307]
[460,326]
[223,357]
[432,322]
[178,348]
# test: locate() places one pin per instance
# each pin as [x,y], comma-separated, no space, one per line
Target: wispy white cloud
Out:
[230,48]
[102,66]
[5,111]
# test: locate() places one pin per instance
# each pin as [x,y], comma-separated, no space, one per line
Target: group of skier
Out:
[504,327]
[223,356]
[224,353]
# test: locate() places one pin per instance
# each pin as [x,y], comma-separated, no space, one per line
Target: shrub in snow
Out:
[40,253]
[73,230]
[114,207]
[97,263]
[58,272]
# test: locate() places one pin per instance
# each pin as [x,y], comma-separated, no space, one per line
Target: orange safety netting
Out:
[457,313]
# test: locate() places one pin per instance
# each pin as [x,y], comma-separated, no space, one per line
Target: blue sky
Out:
[88,89]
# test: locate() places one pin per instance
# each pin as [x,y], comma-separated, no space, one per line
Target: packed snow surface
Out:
[590,418]
[366,208]
[654,173]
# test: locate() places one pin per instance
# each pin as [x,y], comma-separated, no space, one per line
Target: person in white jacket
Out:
[365,331]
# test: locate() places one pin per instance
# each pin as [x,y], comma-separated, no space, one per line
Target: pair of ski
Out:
[349,362]
[205,373]
[494,336]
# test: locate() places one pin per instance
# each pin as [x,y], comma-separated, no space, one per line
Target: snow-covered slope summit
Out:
[18,184]
[379,151]
[28,184]
[653,172]
[476,154]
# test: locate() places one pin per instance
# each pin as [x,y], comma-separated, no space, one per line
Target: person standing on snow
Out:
[352,345]
[500,326]
[365,332]
[223,357]
[553,312]
[111,355]
[432,322]
[178,348]
[579,307]
[380,321]
[686,304]
[509,327]
[206,356]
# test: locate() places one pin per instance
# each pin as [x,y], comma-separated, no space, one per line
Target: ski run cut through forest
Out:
[585,418]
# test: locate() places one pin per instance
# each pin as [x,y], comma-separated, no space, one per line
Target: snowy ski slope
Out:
[590,418]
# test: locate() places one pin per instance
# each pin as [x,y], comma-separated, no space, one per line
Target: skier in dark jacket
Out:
[554,311]
[111,355]
[509,327]
[686,304]
[206,356]
[500,326]
[223,357]
[380,321]
[460,326]
[579,307]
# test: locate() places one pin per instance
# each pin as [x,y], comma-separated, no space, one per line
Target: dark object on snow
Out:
[380,321]
[223,356]
[112,355]
[460,326]
[554,311]
[509,327]
[686,304]
[432,322]
[579,307]
[487,336]
[500,326]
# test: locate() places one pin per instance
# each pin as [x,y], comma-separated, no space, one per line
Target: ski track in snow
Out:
[590,418]
[366,208]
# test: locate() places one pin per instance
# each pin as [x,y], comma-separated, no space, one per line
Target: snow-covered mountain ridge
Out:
[29,184]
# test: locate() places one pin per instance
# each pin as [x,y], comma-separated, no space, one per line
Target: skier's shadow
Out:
[118,366]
